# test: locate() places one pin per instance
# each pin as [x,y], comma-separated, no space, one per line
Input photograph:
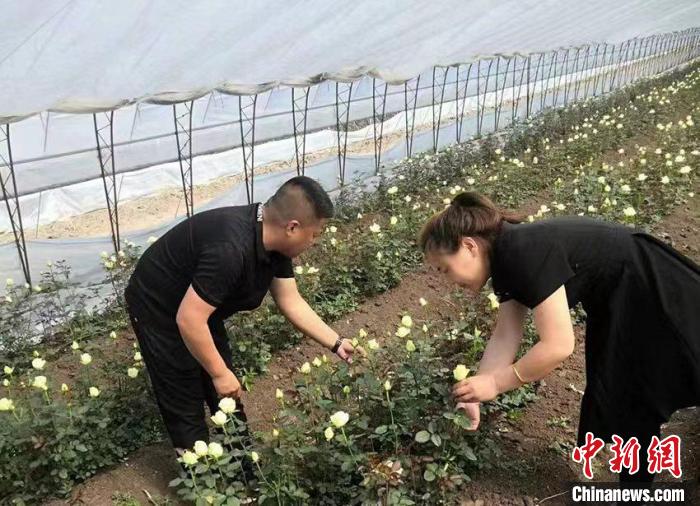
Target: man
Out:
[203,270]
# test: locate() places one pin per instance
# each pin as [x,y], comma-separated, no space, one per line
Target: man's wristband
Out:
[336,346]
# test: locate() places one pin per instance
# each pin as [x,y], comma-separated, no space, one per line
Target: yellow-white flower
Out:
[372,344]
[362,333]
[339,419]
[305,368]
[113,335]
[394,220]
[64,387]
[379,255]
[299,269]
[132,372]
[493,299]
[328,433]
[665,180]
[201,449]
[641,177]
[406,321]
[392,190]
[38,363]
[275,433]
[227,405]
[219,418]
[625,188]
[403,331]
[317,362]
[189,458]
[215,450]
[375,228]
[410,347]
[312,270]
[6,382]
[422,301]
[137,356]
[8,370]
[7,404]
[629,211]
[85,359]
[279,394]
[94,391]
[460,372]
[387,385]
[333,229]
[75,345]
[254,456]
[685,169]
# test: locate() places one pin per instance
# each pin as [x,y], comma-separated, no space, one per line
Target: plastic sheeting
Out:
[66,181]
[92,55]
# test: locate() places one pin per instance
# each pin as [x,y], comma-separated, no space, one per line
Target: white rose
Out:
[305,368]
[339,419]
[410,347]
[8,370]
[372,344]
[201,449]
[85,359]
[215,450]
[6,404]
[94,391]
[406,321]
[279,394]
[40,382]
[189,458]
[460,372]
[328,433]
[387,385]
[132,372]
[629,211]
[137,356]
[374,228]
[219,418]
[38,363]
[254,456]
[403,331]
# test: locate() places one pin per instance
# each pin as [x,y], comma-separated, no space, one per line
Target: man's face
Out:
[299,238]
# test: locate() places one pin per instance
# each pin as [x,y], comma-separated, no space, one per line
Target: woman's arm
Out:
[504,342]
[556,343]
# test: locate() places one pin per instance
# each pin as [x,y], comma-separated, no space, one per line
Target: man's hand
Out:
[472,410]
[227,385]
[479,388]
[346,351]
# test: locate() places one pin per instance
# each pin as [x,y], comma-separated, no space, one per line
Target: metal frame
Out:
[378,113]
[342,99]
[182,117]
[247,109]
[438,89]
[460,112]
[300,109]
[8,182]
[412,90]
[104,139]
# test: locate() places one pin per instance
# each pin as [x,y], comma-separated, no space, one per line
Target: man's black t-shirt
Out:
[220,253]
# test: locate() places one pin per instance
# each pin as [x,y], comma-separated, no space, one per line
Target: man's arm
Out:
[192,317]
[293,306]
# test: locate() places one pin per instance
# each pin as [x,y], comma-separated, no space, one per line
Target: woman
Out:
[641,299]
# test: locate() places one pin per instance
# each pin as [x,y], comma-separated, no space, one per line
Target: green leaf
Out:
[423,436]
[175,482]
[436,439]
[381,429]
[428,475]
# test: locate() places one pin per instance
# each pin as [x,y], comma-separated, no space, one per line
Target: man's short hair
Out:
[300,198]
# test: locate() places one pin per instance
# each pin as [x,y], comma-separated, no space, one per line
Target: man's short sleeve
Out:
[283,267]
[218,272]
[536,270]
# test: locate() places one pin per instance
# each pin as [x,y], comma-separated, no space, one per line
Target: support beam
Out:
[379,89]
[8,182]
[410,98]
[300,109]
[104,138]
[247,109]
[182,116]
[439,81]
[343,96]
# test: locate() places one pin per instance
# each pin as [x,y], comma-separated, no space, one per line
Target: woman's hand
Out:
[479,388]
[473,412]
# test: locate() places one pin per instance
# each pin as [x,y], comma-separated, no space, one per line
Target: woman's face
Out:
[468,267]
